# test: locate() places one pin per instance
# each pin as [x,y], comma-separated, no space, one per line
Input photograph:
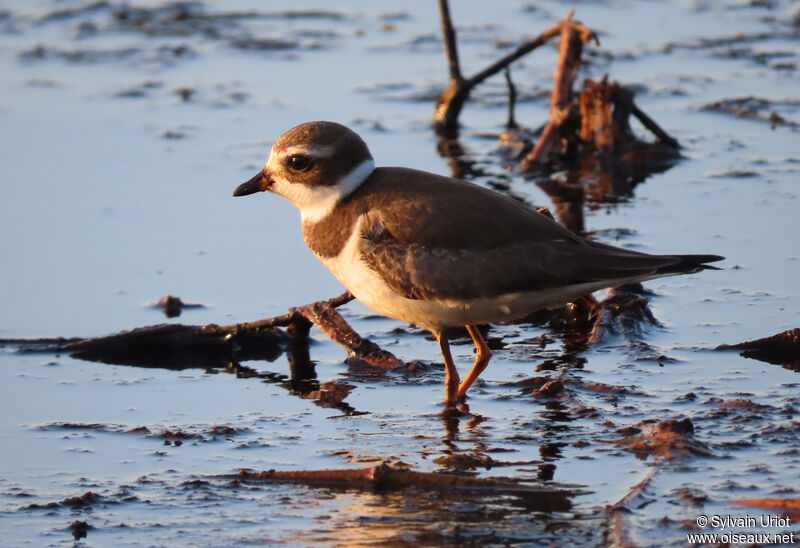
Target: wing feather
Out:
[426,248]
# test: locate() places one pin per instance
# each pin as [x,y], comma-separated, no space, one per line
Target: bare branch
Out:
[450,41]
[573,36]
[654,128]
[521,51]
[451,101]
[512,100]
[284,320]
[331,323]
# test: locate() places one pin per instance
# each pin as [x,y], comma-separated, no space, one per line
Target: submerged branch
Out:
[384,476]
[449,32]
[288,320]
[521,51]
[654,128]
[332,323]
[177,345]
[511,123]
[592,132]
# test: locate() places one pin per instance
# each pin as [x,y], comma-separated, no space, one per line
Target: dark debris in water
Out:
[750,46]
[755,108]
[221,95]
[86,500]
[64,14]
[140,90]
[192,18]
[174,20]
[690,496]
[176,346]
[162,56]
[779,349]
[174,135]
[666,440]
[401,507]
[41,52]
[390,477]
[79,529]
[734,174]
[190,433]
[173,306]
[265,44]
[625,313]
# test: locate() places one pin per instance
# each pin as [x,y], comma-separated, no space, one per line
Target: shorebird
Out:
[435,251]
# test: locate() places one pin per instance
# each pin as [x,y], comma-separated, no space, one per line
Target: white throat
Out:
[316,202]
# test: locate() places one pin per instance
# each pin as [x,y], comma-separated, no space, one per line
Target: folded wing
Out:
[491,245]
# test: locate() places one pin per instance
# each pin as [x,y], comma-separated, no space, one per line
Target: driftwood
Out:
[178,346]
[619,526]
[323,315]
[596,125]
[451,101]
[587,136]
[387,477]
[573,36]
[780,349]
[586,321]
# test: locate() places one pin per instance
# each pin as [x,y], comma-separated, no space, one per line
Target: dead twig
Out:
[451,101]
[654,128]
[511,123]
[597,104]
[336,327]
[284,320]
[595,128]
[666,440]
[788,508]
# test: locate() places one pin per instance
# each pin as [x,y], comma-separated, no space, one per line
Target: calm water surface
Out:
[117,189]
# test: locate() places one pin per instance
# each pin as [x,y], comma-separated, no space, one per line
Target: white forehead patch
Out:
[316,202]
[314,151]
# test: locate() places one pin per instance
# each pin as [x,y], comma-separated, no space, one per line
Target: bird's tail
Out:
[688,264]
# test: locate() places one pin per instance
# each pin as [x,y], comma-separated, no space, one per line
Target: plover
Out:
[435,251]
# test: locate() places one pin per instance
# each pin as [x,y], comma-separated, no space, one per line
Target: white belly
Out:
[369,288]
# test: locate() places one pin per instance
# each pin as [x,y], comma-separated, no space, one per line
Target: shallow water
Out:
[116,191]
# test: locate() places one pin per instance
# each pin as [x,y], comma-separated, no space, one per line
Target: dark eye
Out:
[300,163]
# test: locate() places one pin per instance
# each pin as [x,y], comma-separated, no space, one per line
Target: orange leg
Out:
[482,357]
[451,378]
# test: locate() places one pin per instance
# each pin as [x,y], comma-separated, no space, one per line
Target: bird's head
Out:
[313,165]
